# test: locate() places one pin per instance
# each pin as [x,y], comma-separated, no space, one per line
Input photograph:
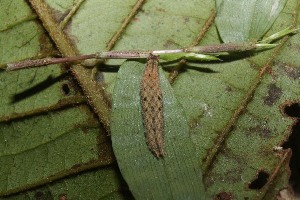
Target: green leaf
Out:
[79,187]
[279,34]
[171,57]
[47,131]
[188,56]
[177,175]
[246,20]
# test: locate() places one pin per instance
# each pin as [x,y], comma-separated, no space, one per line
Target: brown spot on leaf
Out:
[169,43]
[186,19]
[233,175]
[292,72]
[85,130]
[136,19]
[38,195]
[46,46]
[62,197]
[262,130]
[274,93]
[228,89]
[194,123]
[160,9]
[224,196]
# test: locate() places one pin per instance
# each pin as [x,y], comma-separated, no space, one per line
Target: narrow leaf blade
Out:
[178,174]
[245,20]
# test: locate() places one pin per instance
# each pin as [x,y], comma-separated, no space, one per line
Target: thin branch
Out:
[218,48]
[46,61]
[192,53]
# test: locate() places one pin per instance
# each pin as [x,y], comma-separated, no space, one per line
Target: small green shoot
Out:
[280,34]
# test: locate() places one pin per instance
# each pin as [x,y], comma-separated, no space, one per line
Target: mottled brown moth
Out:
[152,107]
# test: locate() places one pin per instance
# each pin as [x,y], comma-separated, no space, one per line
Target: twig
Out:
[210,49]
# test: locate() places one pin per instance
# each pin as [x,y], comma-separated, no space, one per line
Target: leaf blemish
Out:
[66,89]
[224,196]
[274,93]
[262,130]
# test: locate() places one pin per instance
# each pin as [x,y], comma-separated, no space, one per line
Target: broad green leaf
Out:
[13,13]
[79,187]
[43,137]
[246,20]
[177,175]
[32,152]
[235,109]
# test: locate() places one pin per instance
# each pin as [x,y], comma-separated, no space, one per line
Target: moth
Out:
[152,107]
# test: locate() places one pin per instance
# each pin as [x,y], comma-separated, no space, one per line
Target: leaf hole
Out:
[66,89]
[260,181]
[293,110]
